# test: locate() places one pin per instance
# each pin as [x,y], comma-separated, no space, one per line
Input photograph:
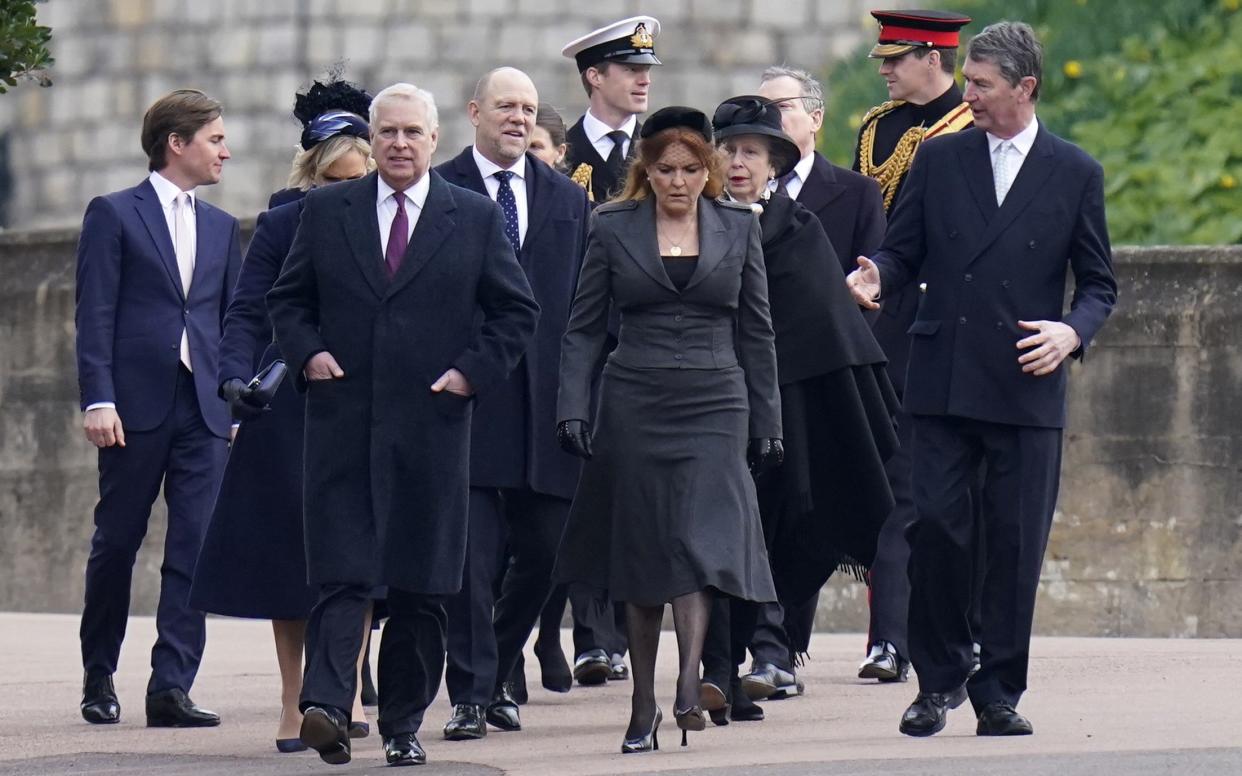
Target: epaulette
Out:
[582,176]
[882,109]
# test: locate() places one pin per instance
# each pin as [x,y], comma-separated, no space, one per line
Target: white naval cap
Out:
[630,41]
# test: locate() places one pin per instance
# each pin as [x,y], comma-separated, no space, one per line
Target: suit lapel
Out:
[977,168]
[1036,169]
[362,232]
[537,182]
[467,172]
[148,205]
[435,222]
[644,246]
[206,239]
[820,187]
[713,243]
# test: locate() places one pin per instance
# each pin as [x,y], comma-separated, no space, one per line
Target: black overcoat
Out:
[387,460]
[849,207]
[513,435]
[982,268]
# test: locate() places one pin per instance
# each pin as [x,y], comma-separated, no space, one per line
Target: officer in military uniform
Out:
[918,50]
[615,64]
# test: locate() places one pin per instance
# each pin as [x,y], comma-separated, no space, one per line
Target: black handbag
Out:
[263,387]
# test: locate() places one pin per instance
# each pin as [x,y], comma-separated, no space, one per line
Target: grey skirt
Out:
[667,506]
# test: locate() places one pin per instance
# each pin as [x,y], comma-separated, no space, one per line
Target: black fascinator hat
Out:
[332,108]
[751,115]
[677,116]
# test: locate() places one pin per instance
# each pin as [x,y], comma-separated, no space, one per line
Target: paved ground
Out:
[1101,707]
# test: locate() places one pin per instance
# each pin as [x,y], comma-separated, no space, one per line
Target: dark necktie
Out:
[616,157]
[782,186]
[398,237]
[508,205]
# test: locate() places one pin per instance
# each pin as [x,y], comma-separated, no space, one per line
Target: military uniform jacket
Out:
[987,267]
[581,151]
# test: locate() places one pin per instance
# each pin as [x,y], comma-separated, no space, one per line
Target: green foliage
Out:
[1148,87]
[23,44]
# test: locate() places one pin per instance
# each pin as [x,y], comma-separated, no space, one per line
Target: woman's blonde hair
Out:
[309,166]
[650,149]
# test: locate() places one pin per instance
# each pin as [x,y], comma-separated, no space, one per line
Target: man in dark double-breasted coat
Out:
[400,301]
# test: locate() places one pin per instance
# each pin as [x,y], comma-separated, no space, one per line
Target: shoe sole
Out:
[592,675]
[784,692]
[711,697]
[464,735]
[872,671]
[163,723]
[558,686]
[320,733]
[757,690]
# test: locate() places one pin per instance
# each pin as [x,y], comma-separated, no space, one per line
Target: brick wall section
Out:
[114,57]
[1148,535]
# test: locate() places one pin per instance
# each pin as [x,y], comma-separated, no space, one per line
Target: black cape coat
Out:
[387,460]
[824,507]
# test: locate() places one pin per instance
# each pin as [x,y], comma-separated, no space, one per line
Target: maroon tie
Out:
[398,237]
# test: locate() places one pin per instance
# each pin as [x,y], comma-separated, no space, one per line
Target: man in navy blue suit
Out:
[155,272]
[988,223]
[521,482]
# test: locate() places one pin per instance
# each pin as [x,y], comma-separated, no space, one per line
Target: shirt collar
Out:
[167,191]
[803,168]
[488,168]
[596,129]
[416,194]
[1021,141]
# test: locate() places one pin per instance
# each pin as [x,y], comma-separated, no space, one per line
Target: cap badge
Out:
[641,38]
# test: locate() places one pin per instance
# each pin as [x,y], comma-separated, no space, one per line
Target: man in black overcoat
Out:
[400,302]
[521,482]
[989,222]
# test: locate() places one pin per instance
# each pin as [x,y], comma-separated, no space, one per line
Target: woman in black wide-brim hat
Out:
[253,561]
[665,509]
[824,507]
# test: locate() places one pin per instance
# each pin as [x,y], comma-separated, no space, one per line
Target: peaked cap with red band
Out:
[903,31]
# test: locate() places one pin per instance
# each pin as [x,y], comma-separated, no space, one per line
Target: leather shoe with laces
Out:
[325,730]
[502,712]
[173,708]
[592,667]
[99,702]
[466,724]
[1000,719]
[404,749]
[767,681]
[926,716]
[884,664]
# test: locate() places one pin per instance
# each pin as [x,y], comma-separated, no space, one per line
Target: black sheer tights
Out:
[691,614]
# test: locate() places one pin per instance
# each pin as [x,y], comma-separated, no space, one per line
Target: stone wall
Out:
[1148,535]
[114,57]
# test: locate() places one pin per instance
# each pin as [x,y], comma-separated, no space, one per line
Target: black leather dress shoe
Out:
[502,712]
[325,730]
[769,681]
[173,708]
[466,723]
[618,671]
[885,664]
[1000,719]
[926,715]
[404,749]
[99,702]
[592,667]
[742,708]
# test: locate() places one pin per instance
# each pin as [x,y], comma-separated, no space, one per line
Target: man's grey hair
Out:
[812,93]
[404,91]
[1014,49]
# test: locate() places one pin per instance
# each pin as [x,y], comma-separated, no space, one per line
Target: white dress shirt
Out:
[517,184]
[386,207]
[1019,149]
[597,132]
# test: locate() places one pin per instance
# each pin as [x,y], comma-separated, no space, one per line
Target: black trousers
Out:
[411,656]
[728,634]
[185,458]
[486,634]
[782,629]
[1023,466]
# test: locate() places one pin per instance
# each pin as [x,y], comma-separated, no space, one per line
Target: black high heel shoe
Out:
[690,719]
[646,743]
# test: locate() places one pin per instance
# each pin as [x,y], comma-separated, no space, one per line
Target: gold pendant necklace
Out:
[674,248]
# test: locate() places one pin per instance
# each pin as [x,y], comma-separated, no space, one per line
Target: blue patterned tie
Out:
[508,204]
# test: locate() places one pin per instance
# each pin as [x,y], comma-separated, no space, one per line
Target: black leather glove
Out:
[764,455]
[237,394]
[574,437]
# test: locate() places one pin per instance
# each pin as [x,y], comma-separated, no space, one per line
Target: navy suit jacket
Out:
[513,438]
[247,345]
[850,207]
[131,310]
[986,268]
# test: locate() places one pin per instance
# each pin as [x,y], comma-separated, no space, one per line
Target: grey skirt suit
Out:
[667,506]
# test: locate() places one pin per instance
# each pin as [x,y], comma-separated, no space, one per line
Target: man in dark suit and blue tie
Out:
[400,304]
[155,272]
[521,482]
[988,223]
